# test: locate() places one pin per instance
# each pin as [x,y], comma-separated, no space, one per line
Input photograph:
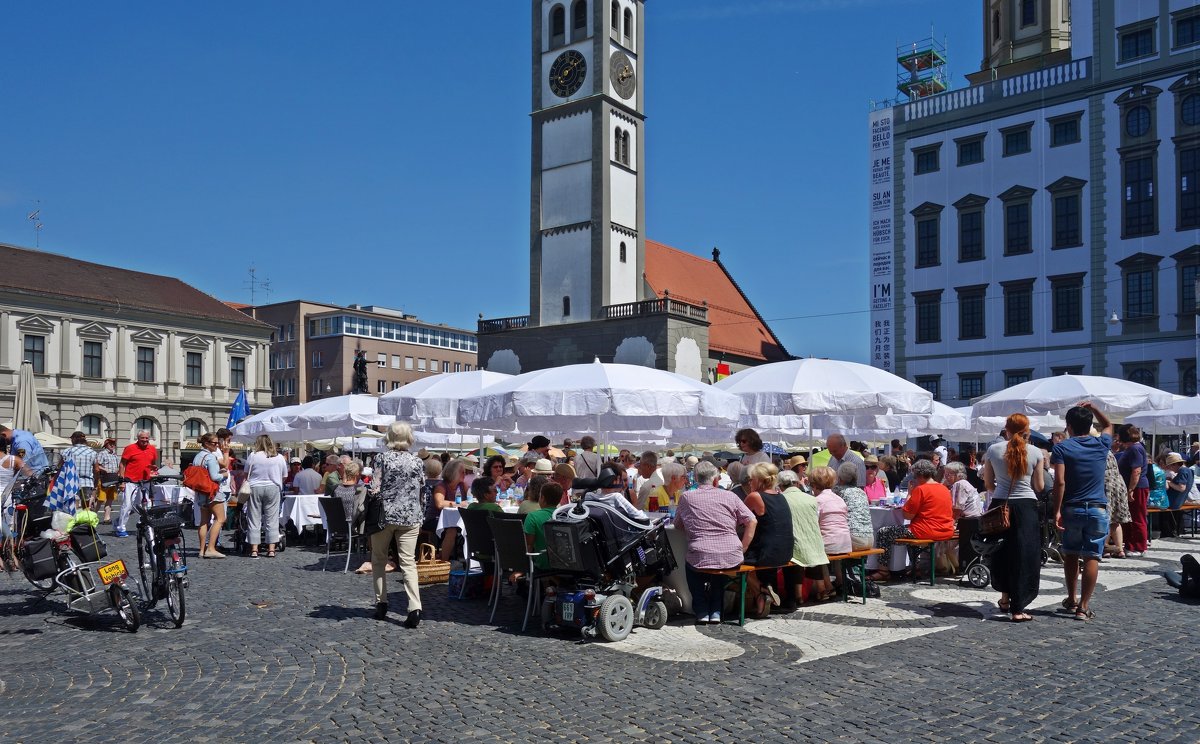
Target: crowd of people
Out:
[775,513]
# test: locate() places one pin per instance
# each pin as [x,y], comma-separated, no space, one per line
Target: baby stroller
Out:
[978,572]
[605,552]
[241,534]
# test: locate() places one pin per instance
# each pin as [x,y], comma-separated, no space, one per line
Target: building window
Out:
[316,386]
[1142,375]
[1064,130]
[566,302]
[1189,186]
[1028,13]
[408,363]
[1189,109]
[35,353]
[1139,196]
[1137,121]
[193,429]
[926,159]
[93,426]
[629,26]
[615,16]
[929,317]
[1188,273]
[145,364]
[928,217]
[395,361]
[970,227]
[622,253]
[931,383]
[558,26]
[421,364]
[1016,140]
[996,26]
[93,359]
[1139,294]
[1016,228]
[291,386]
[1187,378]
[970,385]
[193,368]
[1018,308]
[970,151]
[318,359]
[1066,202]
[971,317]
[1187,32]
[381,386]
[237,372]
[396,386]
[458,367]
[146,424]
[1017,376]
[579,20]
[381,360]
[1066,296]
[1137,44]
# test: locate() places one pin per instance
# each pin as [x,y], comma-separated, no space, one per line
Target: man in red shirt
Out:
[137,464]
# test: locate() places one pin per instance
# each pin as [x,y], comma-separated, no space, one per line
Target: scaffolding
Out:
[922,69]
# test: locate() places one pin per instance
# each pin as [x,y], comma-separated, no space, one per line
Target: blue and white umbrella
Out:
[773,449]
[66,489]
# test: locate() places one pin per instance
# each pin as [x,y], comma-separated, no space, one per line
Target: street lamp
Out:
[1115,320]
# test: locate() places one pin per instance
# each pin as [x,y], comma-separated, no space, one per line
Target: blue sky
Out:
[378,152]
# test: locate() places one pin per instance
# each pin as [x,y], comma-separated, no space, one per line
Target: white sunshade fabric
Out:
[27,415]
[599,397]
[345,414]
[1183,415]
[431,404]
[821,386]
[1054,395]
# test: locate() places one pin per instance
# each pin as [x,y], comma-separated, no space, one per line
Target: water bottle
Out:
[458,500]
[518,493]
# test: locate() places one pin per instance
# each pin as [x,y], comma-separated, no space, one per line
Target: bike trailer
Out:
[38,558]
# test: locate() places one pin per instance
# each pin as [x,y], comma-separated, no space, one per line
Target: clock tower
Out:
[587,213]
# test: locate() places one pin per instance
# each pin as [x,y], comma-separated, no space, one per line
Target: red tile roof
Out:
[52,274]
[735,326]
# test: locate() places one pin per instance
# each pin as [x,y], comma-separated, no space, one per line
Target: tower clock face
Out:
[568,73]
[624,79]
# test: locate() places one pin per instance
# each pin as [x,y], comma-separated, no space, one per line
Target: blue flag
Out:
[240,410]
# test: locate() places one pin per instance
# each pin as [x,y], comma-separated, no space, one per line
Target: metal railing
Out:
[499,325]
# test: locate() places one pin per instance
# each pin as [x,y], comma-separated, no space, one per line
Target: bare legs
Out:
[1091,570]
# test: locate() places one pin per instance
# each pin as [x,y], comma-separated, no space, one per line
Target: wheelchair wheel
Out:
[616,618]
[656,615]
[979,576]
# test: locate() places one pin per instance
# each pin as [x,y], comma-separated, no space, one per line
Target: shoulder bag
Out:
[196,477]
[995,520]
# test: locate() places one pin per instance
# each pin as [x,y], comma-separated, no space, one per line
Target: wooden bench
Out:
[916,546]
[844,575]
[740,574]
[1159,510]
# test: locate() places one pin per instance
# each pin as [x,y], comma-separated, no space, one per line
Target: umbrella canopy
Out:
[805,386]
[50,441]
[941,418]
[1057,394]
[345,414]
[432,403]
[599,397]
[28,415]
[1183,415]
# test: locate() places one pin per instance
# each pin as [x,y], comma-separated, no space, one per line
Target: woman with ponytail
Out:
[1012,472]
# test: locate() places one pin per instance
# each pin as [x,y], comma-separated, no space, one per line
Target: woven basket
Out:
[429,569]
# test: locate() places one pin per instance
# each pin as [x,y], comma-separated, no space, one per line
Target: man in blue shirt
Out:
[35,456]
[1079,503]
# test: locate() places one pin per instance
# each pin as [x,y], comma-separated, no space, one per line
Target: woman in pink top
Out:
[876,489]
[832,513]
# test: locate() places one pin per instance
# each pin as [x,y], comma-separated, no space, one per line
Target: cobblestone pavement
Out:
[275,650]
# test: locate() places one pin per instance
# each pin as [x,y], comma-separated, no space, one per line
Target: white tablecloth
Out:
[302,511]
[449,517]
[677,579]
[173,493]
[886,517]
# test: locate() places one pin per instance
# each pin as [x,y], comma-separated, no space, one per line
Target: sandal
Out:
[270,553]
[1003,606]
[1085,615]
[1069,605]
[254,554]
[1021,617]
[880,576]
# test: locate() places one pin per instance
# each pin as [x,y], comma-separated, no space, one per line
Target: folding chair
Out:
[338,525]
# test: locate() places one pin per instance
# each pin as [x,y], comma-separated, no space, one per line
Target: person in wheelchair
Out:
[609,489]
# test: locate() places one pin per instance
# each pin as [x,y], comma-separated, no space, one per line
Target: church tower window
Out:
[566,306]
[624,148]
[996,26]
[579,20]
[558,26]
[629,25]
[616,154]
[623,254]
[616,16]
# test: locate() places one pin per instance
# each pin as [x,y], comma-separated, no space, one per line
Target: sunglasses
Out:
[872,467]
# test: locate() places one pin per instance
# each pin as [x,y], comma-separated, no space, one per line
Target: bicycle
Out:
[162,564]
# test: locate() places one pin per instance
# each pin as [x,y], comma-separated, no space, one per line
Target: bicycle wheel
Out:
[122,602]
[147,566]
[176,605]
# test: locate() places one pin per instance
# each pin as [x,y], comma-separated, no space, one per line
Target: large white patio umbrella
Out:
[941,418]
[1056,394]
[270,421]
[431,404]
[599,397]
[809,386]
[1183,415]
[28,415]
[345,414]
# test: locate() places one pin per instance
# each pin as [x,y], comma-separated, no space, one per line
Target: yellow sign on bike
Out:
[113,571]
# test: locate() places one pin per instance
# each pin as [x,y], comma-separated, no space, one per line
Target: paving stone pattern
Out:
[276,650]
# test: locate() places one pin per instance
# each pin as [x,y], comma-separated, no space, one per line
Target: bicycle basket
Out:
[164,520]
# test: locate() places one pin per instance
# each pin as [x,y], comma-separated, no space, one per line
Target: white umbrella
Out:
[599,397]
[28,415]
[1183,415]
[804,386]
[1057,394]
[432,403]
[270,421]
[50,441]
[941,418]
[343,414]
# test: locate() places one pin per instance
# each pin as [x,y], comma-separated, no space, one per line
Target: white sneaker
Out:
[1133,553]
[714,617]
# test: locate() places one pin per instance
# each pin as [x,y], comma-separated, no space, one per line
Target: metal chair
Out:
[338,525]
[512,556]
[478,535]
